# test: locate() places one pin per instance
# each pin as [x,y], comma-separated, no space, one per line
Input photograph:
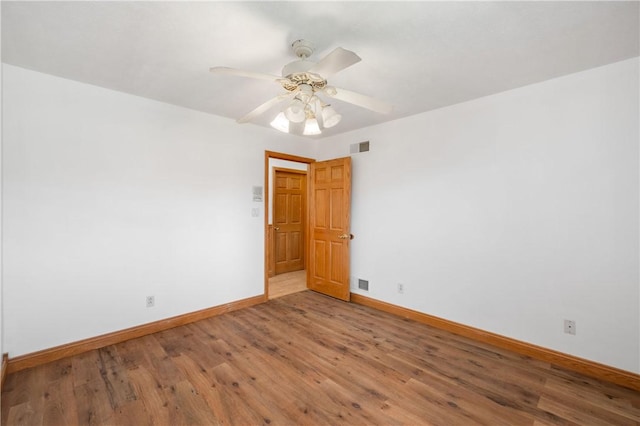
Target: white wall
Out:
[109,198]
[510,213]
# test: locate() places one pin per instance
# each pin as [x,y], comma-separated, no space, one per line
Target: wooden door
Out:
[289,208]
[329,239]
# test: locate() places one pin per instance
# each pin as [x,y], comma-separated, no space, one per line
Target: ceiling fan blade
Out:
[359,100]
[266,106]
[335,61]
[242,73]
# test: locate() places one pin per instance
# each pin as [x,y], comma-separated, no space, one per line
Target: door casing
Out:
[278,156]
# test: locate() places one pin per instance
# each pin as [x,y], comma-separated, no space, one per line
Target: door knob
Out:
[343,236]
[276,228]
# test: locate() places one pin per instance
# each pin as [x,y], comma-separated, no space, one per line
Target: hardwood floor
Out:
[306,359]
[291,282]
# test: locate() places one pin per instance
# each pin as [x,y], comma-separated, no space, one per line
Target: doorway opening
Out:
[286,221]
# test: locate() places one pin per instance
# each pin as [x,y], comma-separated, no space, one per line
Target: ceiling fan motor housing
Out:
[297,72]
[302,48]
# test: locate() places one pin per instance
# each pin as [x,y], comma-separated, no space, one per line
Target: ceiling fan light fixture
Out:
[303,80]
[330,117]
[281,123]
[295,111]
[311,127]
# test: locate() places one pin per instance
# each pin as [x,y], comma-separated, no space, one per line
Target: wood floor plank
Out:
[92,404]
[85,368]
[307,359]
[114,375]
[205,383]
[58,392]
[472,405]
[350,409]
[598,386]
[131,413]
[151,394]
[159,362]
[187,407]
[26,399]
[562,389]
[577,414]
[232,382]
[23,414]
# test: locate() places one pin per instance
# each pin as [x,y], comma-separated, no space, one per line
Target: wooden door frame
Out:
[279,156]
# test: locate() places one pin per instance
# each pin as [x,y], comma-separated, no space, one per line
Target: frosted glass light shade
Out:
[295,111]
[311,127]
[330,117]
[281,123]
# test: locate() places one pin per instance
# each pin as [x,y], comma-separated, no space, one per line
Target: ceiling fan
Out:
[304,81]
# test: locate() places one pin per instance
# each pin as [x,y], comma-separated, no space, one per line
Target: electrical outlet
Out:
[151,301]
[570,327]
[400,288]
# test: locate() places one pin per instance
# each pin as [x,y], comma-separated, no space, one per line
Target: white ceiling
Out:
[418,56]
